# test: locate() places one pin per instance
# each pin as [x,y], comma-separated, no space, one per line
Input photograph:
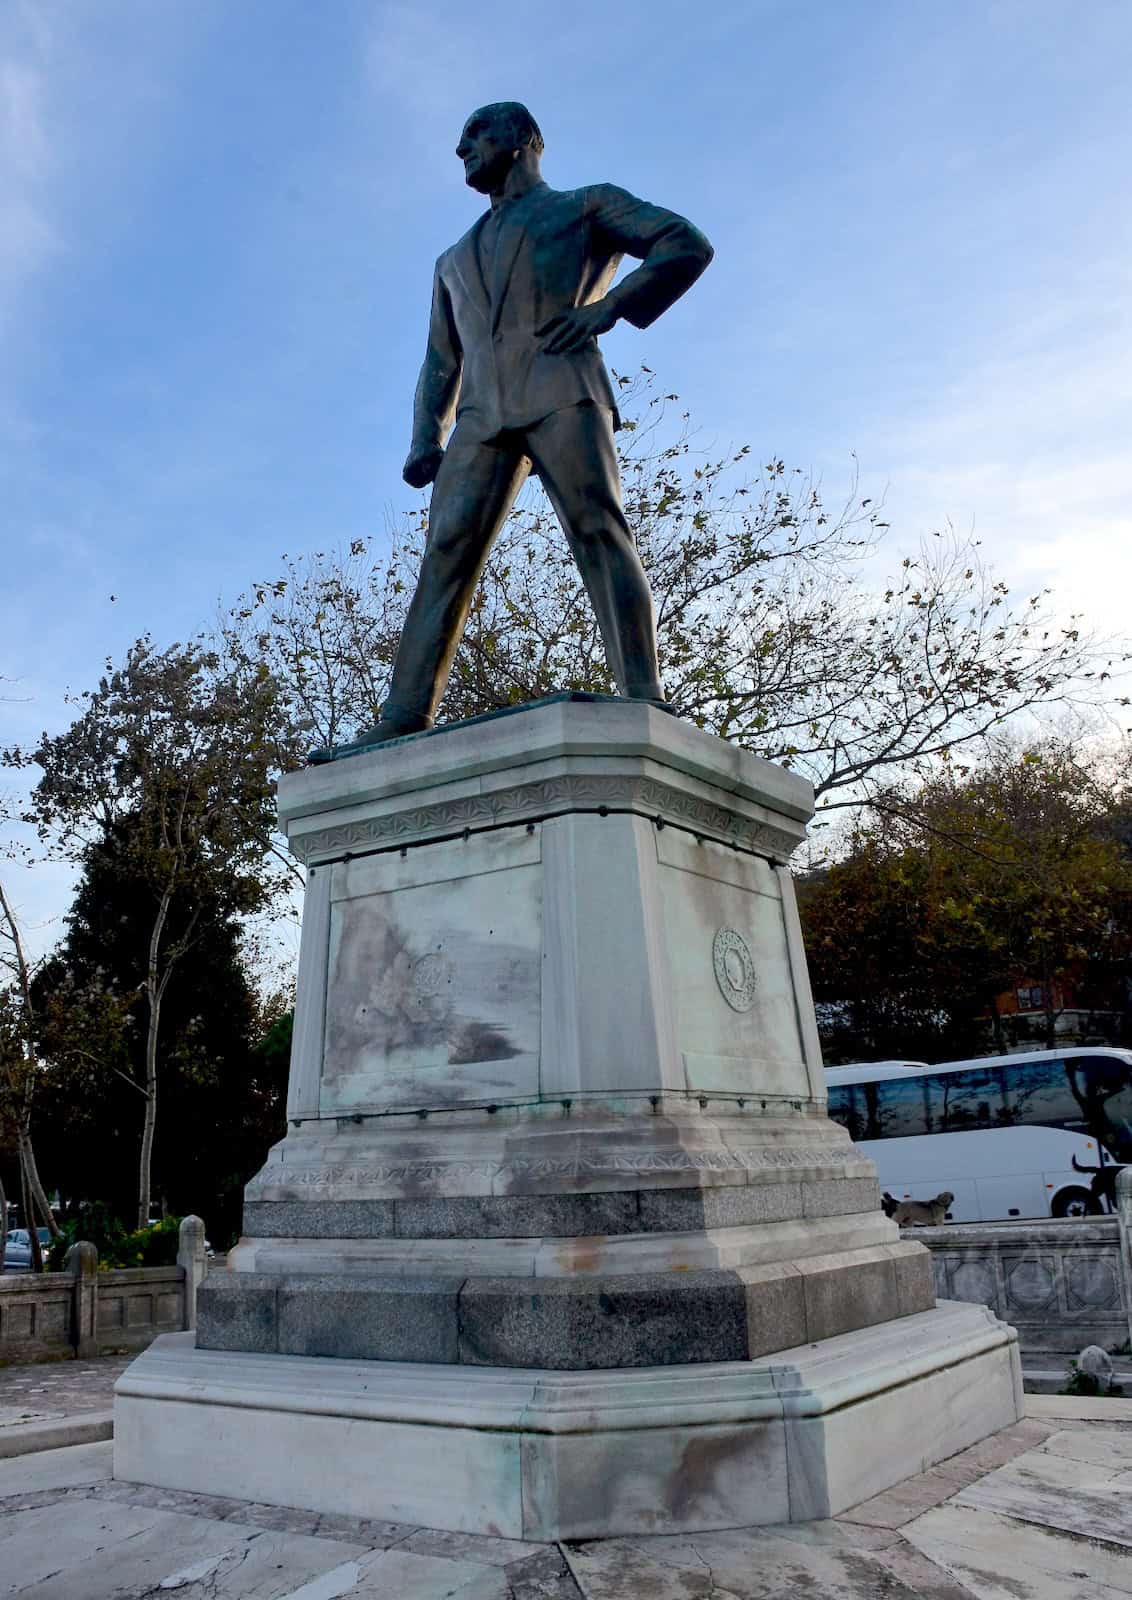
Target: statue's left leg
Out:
[574,454]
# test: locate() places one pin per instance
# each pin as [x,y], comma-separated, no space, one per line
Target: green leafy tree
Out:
[20,1076]
[1017,871]
[169,761]
[223,1058]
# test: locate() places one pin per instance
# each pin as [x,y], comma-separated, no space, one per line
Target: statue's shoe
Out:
[381,732]
[399,727]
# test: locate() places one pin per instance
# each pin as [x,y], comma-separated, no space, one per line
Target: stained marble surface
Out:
[976,1527]
[540,761]
[434,978]
[590,906]
[753,1041]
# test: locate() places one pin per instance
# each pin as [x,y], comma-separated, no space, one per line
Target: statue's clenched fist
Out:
[420,469]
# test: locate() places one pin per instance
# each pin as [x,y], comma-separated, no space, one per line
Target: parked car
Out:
[17,1248]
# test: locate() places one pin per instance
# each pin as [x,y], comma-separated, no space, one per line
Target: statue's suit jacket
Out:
[555,249]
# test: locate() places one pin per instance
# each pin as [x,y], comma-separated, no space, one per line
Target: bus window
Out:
[896,1108]
[1039,1092]
[843,1110]
[959,1101]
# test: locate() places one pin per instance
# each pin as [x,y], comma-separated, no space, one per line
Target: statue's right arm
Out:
[438,389]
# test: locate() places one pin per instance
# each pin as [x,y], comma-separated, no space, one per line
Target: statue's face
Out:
[487,155]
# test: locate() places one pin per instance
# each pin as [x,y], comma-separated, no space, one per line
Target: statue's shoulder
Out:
[577,203]
[544,199]
[464,242]
[586,198]
[597,195]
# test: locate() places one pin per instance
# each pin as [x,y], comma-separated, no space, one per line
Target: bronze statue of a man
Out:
[517,307]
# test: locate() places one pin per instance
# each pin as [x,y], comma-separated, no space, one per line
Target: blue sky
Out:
[218,220]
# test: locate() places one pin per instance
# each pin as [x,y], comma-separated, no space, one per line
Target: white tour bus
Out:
[1000,1133]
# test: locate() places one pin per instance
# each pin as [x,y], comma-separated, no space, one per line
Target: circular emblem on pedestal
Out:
[734,969]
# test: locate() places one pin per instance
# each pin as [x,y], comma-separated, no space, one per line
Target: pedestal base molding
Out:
[579,1455]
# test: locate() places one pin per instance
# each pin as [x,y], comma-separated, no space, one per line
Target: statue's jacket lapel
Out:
[544,262]
[463,268]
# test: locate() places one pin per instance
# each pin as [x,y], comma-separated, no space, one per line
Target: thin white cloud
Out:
[1030,451]
[83,101]
[29,233]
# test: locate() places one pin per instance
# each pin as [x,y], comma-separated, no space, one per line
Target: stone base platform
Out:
[553,1455]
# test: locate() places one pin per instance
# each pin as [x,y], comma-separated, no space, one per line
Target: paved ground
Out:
[52,1389]
[1042,1512]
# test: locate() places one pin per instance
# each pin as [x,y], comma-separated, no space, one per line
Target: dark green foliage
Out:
[1015,873]
[97,1225]
[164,780]
[224,1056]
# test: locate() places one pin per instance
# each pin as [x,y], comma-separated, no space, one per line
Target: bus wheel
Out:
[1075,1203]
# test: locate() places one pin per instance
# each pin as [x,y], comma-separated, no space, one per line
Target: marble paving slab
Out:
[395,1574]
[17,1416]
[1107,1447]
[1044,1488]
[996,1558]
[767,1564]
[109,1551]
[54,1470]
[1038,1513]
[120,1550]
[68,1531]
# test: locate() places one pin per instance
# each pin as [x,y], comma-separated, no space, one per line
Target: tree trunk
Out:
[1052,1014]
[154,990]
[150,1123]
[39,1198]
[29,1215]
[3,1224]
[31,1188]
[996,1026]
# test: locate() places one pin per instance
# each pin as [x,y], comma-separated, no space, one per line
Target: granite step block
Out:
[637,1320]
[563,1324]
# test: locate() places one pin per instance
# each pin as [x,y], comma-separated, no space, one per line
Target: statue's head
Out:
[494,138]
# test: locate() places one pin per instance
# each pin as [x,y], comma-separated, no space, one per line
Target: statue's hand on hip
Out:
[570,330]
[422,466]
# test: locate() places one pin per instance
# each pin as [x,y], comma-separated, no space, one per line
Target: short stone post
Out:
[1124,1212]
[81,1261]
[191,1256]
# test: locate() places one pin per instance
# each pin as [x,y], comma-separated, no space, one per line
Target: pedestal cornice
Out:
[552,758]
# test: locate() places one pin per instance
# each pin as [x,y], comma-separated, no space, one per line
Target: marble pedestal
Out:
[556,1107]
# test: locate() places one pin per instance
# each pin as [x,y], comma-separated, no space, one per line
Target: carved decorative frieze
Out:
[548,797]
[417,1173]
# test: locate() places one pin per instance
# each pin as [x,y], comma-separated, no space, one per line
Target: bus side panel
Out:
[1014,1197]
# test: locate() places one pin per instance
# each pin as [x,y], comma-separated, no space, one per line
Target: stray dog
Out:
[1102,1184]
[921,1213]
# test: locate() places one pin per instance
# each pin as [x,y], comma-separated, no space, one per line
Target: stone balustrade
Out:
[84,1312]
[1062,1284]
